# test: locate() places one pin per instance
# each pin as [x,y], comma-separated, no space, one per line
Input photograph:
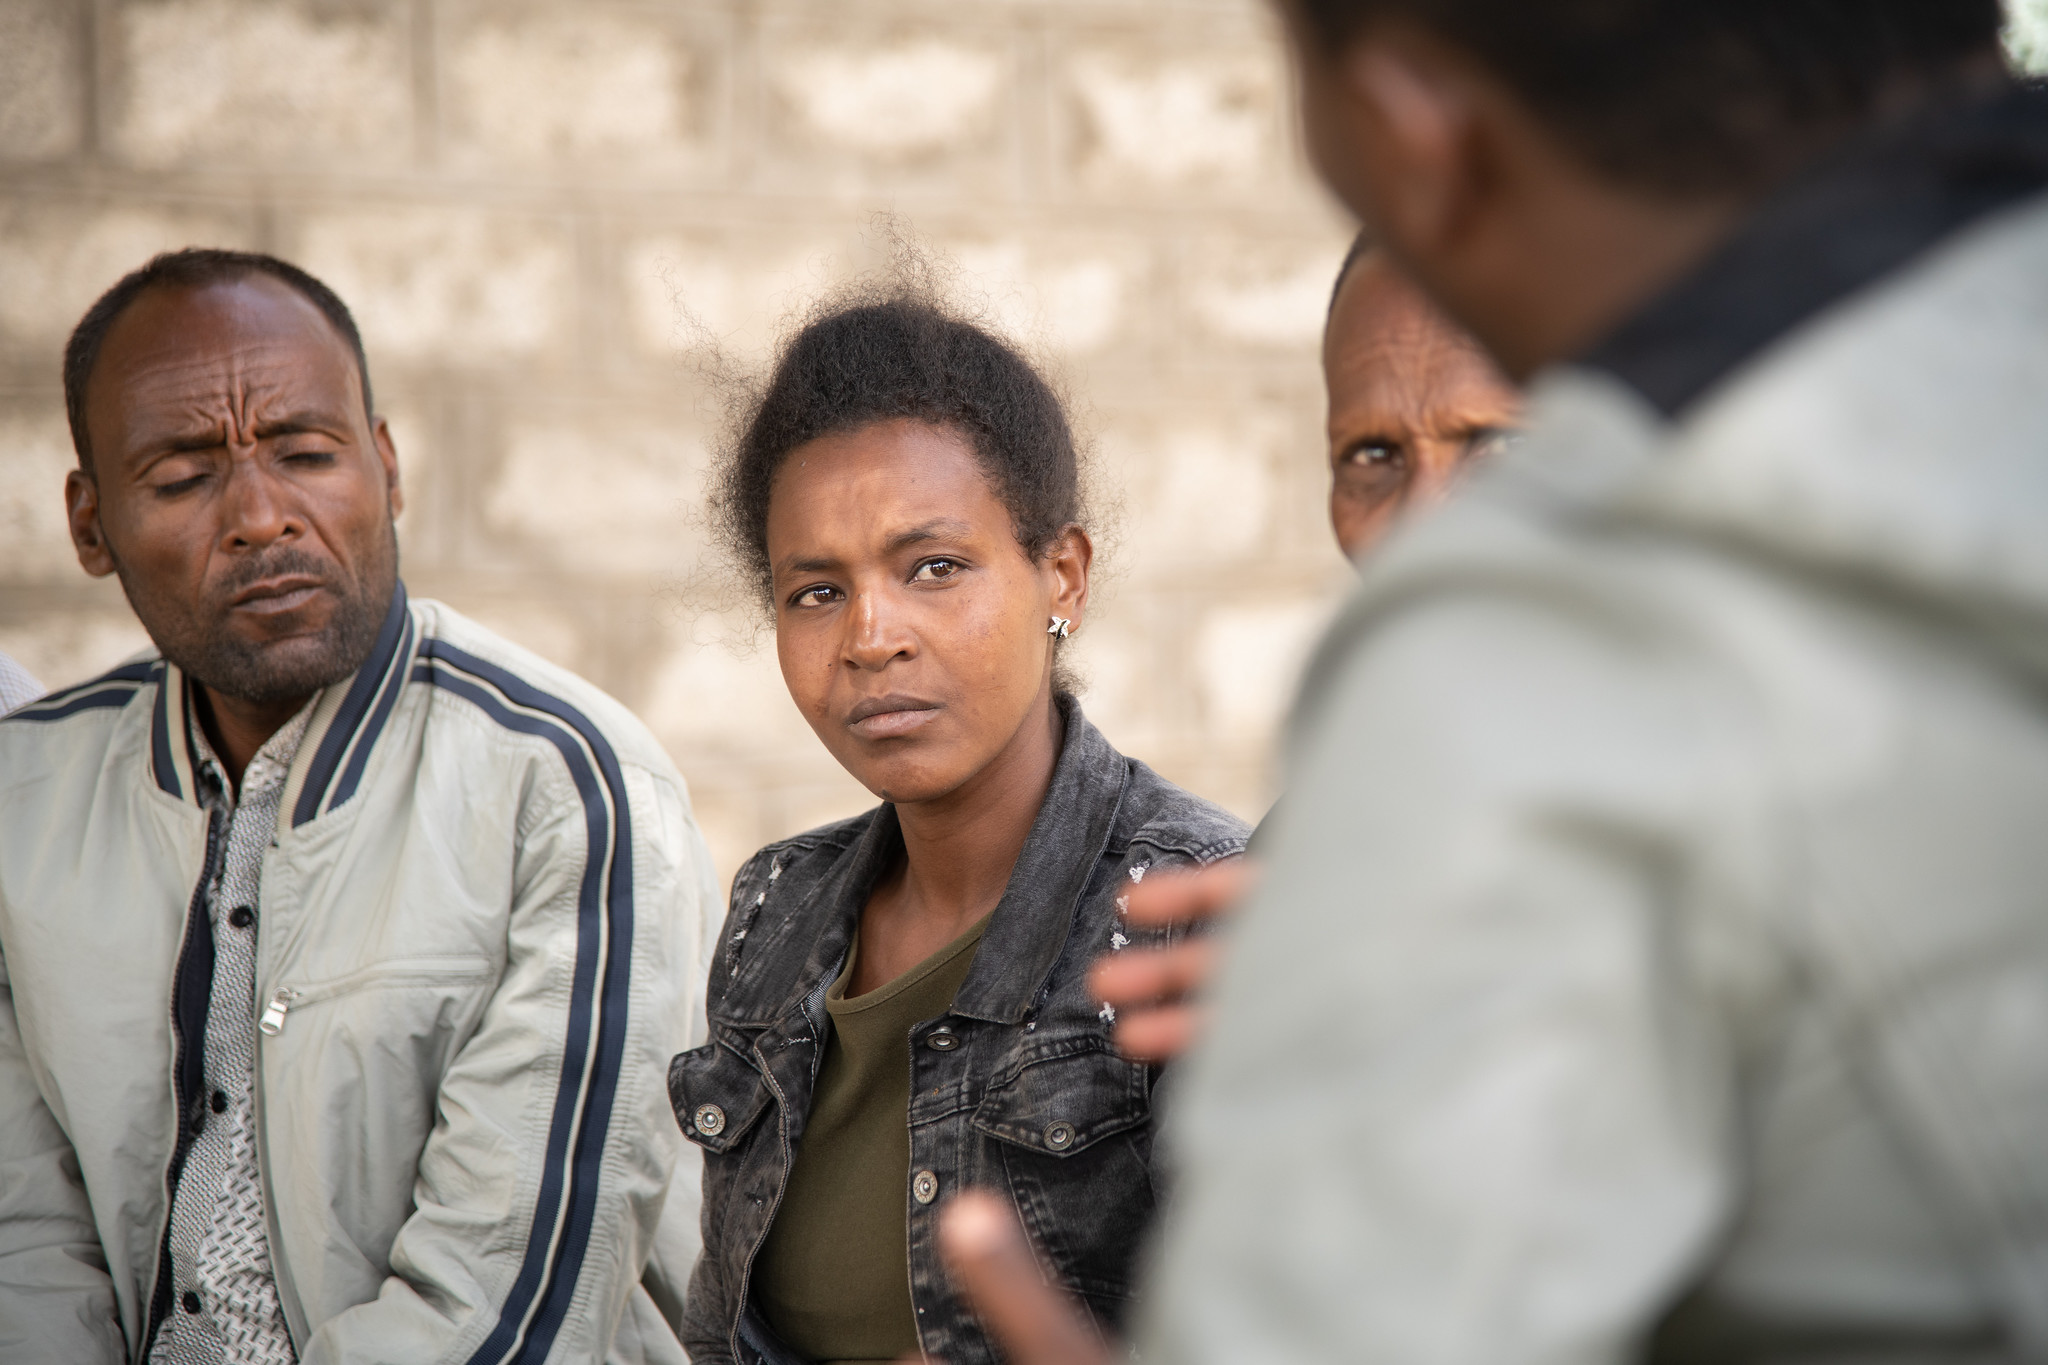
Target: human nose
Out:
[258,508]
[876,634]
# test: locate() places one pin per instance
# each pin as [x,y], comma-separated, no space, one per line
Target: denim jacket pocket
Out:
[717,1094]
[1074,1132]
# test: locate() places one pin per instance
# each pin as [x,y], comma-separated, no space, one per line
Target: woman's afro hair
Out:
[896,350]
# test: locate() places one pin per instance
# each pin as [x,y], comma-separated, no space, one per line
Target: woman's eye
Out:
[816,596]
[933,570]
[1489,442]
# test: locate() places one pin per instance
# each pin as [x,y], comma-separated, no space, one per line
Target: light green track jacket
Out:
[483,931]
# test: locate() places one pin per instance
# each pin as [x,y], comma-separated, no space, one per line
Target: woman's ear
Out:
[1068,562]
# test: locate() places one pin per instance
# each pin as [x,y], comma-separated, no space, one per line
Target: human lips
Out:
[272,596]
[889,717]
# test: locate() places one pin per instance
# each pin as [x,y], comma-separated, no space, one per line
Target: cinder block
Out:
[1197,489]
[294,83]
[1262,294]
[599,496]
[1146,121]
[1128,691]
[1079,297]
[42,99]
[1249,658]
[569,87]
[446,287]
[686,291]
[58,255]
[920,109]
[715,693]
[35,455]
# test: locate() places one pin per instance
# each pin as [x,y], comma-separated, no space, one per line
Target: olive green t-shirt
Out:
[833,1278]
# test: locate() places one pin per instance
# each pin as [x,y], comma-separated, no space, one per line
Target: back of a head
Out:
[1694,96]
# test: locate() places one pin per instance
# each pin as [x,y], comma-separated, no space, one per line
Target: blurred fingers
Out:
[1138,977]
[992,1264]
[1175,897]
[1159,1034]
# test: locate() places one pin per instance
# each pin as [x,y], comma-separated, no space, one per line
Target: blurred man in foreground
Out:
[1651,960]
[343,945]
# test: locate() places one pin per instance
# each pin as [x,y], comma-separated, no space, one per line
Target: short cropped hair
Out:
[892,353]
[192,268]
[1691,96]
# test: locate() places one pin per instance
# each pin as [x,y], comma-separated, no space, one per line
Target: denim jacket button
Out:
[942,1039]
[1059,1136]
[924,1187]
[709,1120]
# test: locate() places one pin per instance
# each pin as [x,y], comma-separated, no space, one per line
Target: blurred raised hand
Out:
[992,1264]
[1158,993]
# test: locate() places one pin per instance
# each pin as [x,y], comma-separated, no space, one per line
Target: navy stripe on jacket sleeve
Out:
[538,1302]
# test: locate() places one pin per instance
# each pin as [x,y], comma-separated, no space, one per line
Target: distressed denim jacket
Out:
[1016,1089]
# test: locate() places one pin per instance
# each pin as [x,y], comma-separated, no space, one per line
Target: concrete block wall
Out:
[515,196]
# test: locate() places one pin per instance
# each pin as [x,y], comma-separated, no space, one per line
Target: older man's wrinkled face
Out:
[1413,399]
[238,488]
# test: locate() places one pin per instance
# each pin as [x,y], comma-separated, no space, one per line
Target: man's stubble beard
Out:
[253,672]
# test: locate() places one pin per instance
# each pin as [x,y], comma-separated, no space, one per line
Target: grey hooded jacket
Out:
[1652,960]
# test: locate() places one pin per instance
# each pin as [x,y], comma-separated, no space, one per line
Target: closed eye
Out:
[177,487]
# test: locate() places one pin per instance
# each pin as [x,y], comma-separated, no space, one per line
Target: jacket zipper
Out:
[160,1293]
[424,971]
[272,1022]
[267,1026]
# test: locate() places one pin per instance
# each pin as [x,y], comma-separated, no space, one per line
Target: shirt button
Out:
[924,1187]
[1059,1135]
[190,1302]
[709,1120]
[242,917]
[942,1039]
[220,1102]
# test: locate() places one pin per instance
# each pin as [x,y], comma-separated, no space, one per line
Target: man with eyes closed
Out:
[899,1010]
[341,942]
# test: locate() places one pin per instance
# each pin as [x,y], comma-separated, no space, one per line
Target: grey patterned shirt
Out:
[17,687]
[224,1308]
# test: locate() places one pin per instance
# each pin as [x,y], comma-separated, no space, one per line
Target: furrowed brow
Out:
[300,423]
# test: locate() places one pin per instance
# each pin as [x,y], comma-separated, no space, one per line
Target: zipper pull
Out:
[272,1022]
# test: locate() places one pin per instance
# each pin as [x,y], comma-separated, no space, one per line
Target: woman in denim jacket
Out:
[899,1010]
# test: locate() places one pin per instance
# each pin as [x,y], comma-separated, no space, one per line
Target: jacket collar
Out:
[346,723]
[1031,922]
[1866,211]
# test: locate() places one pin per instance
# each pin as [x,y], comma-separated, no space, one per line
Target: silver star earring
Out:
[1061,627]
